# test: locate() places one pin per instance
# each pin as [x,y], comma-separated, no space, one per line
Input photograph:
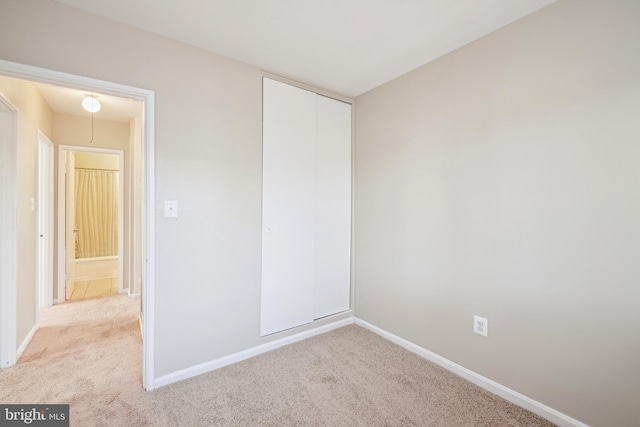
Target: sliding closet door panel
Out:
[333,207]
[289,123]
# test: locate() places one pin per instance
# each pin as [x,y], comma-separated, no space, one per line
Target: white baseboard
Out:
[512,396]
[133,295]
[246,354]
[26,341]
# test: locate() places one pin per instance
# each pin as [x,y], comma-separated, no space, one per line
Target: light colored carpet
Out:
[88,354]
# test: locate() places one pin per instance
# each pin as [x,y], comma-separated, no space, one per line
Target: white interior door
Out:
[332,255]
[70,223]
[8,238]
[288,206]
[44,269]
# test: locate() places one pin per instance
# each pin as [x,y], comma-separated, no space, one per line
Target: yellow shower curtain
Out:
[96,213]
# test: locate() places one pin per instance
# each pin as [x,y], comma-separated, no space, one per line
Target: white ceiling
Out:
[69,101]
[347,46]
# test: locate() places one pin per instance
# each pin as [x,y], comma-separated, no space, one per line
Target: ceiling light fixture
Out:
[91,104]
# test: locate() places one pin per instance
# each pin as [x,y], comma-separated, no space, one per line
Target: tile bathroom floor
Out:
[94,288]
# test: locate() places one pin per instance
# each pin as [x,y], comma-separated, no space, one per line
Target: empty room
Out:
[367,212]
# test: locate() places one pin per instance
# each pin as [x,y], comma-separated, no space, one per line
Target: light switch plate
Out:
[171,209]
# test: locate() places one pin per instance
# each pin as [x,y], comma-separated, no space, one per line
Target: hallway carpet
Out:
[88,354]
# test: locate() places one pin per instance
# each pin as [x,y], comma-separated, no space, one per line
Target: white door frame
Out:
[44,271]
[8,239]
[62,203]
[66,224]
[20,71]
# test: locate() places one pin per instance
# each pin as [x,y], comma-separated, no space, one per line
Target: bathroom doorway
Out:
[93,204]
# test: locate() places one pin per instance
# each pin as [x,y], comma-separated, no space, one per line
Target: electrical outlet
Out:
[480,325]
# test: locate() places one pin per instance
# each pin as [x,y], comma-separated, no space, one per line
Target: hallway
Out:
[86,353]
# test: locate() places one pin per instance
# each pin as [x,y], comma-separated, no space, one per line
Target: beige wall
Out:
[207,156]
[88,160]
[502,180]
[76,131]
[33,115]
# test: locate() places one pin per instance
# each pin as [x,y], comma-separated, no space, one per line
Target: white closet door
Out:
[288,204]
[333,208]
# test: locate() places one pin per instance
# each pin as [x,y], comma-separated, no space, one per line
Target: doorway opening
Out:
[91,219]
[142,226]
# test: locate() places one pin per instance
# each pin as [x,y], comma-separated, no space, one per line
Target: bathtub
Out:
[96,268]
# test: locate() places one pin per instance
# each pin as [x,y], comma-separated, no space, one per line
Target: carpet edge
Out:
[506,393]
[221,362]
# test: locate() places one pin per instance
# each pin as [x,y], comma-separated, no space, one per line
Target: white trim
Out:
[27,340]
[512,396]
[148,285]
[72,81]
[121,230]
[8,239]
[42,75]
[61,283]
[212,365]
